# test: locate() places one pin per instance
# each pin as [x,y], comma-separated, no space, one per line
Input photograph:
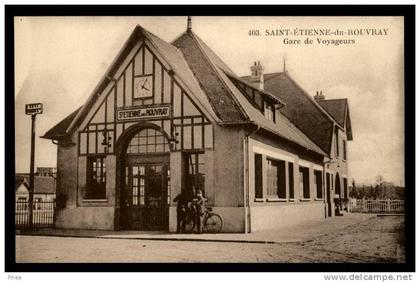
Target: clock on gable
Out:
[143,87]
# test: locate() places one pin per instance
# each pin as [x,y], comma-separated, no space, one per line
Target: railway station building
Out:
[172,117]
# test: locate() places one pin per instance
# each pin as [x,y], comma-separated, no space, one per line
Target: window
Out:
[258,176]
[344,150]
[345,187]
[269,112]
[95,188]
[291,182]
[38,203]
[195,174]
[148,141]
[337,142]
[138,185]
[276,179]
[318,183]
[272,178]
[337,186]
[304,182]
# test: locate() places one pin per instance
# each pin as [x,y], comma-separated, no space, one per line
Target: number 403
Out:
[253,32]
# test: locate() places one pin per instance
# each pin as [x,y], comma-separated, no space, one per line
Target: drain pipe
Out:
[246,180]
[326,189]
[324,176]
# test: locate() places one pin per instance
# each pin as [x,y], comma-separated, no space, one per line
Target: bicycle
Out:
[212,223]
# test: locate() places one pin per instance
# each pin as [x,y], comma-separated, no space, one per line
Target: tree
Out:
[379,187]
[353,192]
[379,179]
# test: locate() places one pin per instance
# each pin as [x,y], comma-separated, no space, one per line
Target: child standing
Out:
[200,208]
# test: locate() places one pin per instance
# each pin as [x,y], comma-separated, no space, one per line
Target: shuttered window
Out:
[291,182]
[304,182]
[318,183]
[258,176]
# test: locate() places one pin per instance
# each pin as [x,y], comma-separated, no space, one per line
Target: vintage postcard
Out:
[263,139]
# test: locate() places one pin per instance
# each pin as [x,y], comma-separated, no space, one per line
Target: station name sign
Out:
[141,113]
[33,109]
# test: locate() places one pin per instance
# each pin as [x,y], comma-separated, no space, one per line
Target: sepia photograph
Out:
[209,139]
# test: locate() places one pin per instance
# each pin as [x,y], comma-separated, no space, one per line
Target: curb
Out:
[390,214]
[164,239]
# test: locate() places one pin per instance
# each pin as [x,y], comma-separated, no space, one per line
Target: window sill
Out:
[275,200]
[318,199]
[258,200]
[305,200]
[95,200]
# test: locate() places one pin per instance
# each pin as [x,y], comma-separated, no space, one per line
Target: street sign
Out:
[33,109]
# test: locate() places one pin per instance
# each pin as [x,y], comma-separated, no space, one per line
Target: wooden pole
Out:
[31,173]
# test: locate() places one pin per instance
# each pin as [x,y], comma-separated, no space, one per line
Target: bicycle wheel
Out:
[189,223]
[213,223]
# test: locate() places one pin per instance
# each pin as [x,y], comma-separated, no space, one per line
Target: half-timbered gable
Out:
[145,89]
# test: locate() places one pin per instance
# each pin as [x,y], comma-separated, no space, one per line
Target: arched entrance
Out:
[144,180]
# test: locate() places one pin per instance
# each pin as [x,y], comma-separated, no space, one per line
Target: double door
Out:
[145,197]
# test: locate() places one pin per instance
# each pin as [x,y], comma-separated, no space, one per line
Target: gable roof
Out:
[339,110]
[336,108]
[21,179]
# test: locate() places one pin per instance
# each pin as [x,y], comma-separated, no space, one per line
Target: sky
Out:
[59,61]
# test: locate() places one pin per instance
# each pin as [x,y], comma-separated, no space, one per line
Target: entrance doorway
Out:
[328,188]
[145,194]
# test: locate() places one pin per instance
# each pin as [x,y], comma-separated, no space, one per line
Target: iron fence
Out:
[377,206]
[43,214]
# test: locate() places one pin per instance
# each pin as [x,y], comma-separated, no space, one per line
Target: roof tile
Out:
[200,63]
[336,108]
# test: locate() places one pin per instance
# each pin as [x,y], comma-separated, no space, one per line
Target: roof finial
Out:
[189,24]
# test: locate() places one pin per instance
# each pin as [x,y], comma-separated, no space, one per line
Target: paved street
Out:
[373,239]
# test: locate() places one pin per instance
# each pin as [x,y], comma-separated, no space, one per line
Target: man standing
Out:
[181,212]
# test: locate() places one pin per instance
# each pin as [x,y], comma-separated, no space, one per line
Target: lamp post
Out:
[32,110]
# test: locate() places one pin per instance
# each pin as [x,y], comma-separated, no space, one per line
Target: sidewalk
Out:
[290,234]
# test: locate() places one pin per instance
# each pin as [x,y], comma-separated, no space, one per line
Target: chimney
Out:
[319,96]
[257,77]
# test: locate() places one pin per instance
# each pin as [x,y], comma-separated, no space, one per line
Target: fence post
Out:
[363,205]
[388,205]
